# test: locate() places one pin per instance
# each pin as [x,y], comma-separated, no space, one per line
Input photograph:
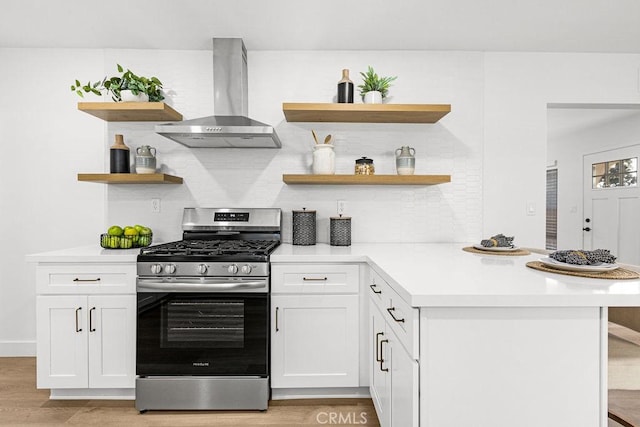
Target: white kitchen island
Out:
[498,344]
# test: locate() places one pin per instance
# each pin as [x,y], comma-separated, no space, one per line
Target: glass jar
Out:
[364,166]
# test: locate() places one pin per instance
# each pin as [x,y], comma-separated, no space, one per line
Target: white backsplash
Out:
[215,177]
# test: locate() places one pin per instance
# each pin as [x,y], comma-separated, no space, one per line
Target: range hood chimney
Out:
[230,127]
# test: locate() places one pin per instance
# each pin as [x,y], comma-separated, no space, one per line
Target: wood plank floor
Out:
[22,404]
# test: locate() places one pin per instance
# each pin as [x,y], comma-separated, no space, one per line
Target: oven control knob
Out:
[233,269]
[202,268]
[246,269]
[156,268]
[170,268]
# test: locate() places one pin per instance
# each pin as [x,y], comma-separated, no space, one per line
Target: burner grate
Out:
[213,247]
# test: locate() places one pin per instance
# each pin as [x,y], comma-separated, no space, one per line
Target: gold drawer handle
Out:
[86,280]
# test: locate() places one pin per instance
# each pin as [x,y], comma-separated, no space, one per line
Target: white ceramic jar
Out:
[324,159]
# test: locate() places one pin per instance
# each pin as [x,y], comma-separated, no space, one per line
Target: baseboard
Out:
[17,348]
[319,393]
[93,394]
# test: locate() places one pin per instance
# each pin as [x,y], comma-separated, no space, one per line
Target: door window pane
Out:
[615,173]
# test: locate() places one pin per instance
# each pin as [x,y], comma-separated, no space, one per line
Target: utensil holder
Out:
[304,227]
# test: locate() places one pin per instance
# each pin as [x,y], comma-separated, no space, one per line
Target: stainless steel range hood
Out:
[230,127]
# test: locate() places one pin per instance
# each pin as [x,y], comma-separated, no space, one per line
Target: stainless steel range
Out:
[203,312]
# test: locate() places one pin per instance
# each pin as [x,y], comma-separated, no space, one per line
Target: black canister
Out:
[119,156]
[340,231]
[304,227]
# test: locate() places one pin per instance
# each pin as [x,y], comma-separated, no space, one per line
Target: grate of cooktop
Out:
[213,247]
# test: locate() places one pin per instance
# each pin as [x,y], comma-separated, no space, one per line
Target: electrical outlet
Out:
[342,206]
[155,205]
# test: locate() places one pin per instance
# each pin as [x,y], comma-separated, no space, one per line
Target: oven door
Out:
[196,333]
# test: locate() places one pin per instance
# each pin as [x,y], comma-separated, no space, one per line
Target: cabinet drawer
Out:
[315,278]
[86,278]
[403,319]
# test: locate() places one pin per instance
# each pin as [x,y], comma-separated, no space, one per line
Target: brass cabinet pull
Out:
[277,329]
[378,351]
[78,328]
[373,289]
[311,279]
[86,280]
[91,328]
[381,358]
[390,311]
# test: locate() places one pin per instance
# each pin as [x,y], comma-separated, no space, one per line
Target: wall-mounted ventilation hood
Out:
[230,127]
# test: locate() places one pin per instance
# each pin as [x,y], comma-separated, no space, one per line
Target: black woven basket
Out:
[304,227]
[340,231]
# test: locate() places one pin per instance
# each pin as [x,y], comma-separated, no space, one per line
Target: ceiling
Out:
[479,25]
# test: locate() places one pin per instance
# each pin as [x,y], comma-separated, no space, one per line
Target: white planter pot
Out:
[373,97]
[128,96]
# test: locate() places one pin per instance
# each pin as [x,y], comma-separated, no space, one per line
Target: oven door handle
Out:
[153,285]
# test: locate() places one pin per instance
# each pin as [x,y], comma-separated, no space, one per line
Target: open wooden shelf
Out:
[130,178]
[130,111]
[366,179]
[365,113]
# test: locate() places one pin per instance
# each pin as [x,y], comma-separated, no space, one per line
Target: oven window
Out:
[202,323]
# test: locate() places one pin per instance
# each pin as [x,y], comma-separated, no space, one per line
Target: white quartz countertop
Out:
[90,253]
[430,274]
[443,275]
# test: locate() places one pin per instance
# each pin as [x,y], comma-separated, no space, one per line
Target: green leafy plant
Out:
[126,81]
[371,82]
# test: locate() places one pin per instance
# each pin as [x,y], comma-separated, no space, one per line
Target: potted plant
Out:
[374,88]
[126,87]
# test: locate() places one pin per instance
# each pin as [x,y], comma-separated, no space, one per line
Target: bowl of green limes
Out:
[127,237]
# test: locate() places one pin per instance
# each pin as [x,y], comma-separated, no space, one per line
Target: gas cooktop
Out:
[213,248]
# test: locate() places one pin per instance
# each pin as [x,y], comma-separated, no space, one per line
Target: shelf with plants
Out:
[306,179]
[136,98]
[373,90]
[129,178]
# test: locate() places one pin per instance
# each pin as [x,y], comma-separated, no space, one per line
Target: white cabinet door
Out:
[61,329]
[314,341]
[380,366]
[404,386]
[112,342]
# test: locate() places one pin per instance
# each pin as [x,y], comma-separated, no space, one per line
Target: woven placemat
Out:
[518,252]
[617,274]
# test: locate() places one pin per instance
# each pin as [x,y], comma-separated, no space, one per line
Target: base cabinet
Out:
[394,374]
[86,341]
[314,341]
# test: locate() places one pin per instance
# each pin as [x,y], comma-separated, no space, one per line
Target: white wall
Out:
[253,177]
[518,87]
[605,129]
[45,143]
[492,143]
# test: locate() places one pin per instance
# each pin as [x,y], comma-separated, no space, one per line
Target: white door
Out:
[380,365]
[314,341]
[62,341]
[112,341]
[404,386]
[612,209]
